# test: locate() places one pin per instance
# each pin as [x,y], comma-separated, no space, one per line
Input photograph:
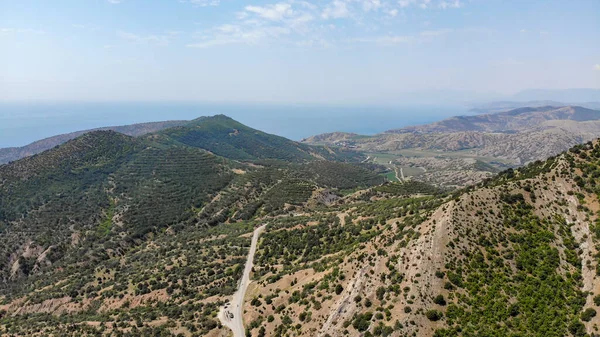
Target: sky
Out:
[314,51]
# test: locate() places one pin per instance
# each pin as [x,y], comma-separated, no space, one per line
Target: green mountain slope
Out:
[228,138]
[80,187]
[103,196]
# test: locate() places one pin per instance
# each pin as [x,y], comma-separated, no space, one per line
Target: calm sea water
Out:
[23,123]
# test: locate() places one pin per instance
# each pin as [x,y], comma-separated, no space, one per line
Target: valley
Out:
[463,150]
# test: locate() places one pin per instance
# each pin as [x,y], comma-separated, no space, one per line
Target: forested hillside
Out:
[226,137]
[107,223]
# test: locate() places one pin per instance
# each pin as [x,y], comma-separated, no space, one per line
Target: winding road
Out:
[231,314]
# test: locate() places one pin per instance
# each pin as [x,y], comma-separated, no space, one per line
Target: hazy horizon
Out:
[22,124]
[369,52]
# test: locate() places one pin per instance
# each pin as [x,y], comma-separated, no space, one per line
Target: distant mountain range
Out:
[499,106]
[514,120]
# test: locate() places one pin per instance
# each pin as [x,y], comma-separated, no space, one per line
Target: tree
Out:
[434,315]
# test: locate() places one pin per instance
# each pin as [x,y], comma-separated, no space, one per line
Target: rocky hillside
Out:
[516,255]
[14,153]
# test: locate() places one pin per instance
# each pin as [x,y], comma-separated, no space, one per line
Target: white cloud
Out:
[274,12]
[238,34]
[335,10]
[597,67]
[371,5]
[203,3]
[157,40]
[391,40]
[114,2]
[304,23]
[387,40]
[262,24]
[393,12]
[450,4]
[435,33]
[314,43]
[429,4]
[21,31]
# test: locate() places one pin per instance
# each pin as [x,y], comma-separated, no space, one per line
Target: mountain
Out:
[500,106]
[15,153]
[226,137]
[113,235]
[465,149]
[512,120]
[100,176]
[107,224]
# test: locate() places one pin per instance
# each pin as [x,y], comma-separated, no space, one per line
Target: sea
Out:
[25,122]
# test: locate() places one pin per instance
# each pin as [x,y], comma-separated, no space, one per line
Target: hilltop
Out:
[226,137]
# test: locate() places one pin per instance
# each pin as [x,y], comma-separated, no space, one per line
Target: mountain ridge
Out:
[15,153]
[511,120]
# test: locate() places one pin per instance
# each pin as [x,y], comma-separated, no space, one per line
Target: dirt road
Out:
[401,174]
[230,314]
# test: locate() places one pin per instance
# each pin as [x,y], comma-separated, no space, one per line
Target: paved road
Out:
[230,315]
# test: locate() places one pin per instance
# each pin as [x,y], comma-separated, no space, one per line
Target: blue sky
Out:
[317,51]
